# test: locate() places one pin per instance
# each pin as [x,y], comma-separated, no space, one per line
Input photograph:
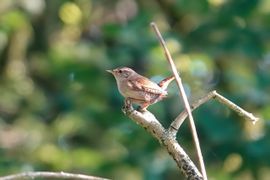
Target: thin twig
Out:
[184,98]
[237,109]
[148,121]
[52,175]
[175,125]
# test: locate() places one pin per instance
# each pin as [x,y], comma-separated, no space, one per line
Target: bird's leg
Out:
[127,108]
[143,106]
[127,103]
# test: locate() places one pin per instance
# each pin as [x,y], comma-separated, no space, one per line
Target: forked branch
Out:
[153,126]
[175,125]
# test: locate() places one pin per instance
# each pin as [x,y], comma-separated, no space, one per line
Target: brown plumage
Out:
[138,89]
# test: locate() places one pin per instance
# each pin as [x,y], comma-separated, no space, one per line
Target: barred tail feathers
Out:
[165,82]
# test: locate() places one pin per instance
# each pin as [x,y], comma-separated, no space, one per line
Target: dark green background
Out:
[61,111]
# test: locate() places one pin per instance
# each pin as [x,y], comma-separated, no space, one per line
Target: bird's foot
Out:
[127,108]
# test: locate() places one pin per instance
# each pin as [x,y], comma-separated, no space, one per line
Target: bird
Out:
[137,89]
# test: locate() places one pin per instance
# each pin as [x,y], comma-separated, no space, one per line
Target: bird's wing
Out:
[144,84]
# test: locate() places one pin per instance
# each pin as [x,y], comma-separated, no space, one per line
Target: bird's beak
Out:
[110,71]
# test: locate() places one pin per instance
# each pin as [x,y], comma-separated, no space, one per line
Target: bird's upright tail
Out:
[165,82]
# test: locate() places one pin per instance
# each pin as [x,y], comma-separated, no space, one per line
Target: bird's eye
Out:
[120,71]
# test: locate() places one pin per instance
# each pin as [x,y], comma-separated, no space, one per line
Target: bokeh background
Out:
[61,111]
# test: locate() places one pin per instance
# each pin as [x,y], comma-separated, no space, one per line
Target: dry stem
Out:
[185,100]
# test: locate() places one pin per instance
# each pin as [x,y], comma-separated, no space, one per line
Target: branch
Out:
[175,125]
[44,174]
[184,98]
[153,126]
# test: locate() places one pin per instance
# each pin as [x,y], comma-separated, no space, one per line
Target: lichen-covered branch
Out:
[148,121]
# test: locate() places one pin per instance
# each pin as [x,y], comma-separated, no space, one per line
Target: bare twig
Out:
[152,125]
[184,98]
[52,175]
[237,109]
[175,125]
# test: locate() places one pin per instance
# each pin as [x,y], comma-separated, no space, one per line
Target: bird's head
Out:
[122,73]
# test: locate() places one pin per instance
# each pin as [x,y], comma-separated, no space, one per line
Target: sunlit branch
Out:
[148,121]
[175,125]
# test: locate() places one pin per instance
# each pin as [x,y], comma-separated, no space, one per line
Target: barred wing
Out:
[146,85]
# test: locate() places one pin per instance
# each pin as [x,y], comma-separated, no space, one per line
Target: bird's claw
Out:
[127,108]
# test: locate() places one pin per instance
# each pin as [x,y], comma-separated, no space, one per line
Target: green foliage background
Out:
[61,111]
